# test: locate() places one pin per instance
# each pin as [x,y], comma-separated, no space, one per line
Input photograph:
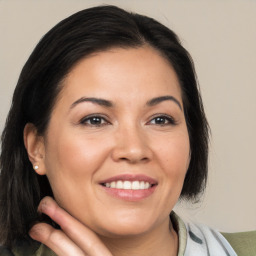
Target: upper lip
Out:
[131,177]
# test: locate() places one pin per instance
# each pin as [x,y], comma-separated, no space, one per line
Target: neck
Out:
[162,240]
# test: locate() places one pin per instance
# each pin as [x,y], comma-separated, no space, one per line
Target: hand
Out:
[73,238]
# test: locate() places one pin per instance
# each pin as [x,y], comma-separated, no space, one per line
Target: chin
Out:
[125,228]
[123,232]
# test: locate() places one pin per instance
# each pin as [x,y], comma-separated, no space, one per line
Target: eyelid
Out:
[83,120]
[171,119]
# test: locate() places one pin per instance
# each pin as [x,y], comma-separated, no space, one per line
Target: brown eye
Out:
[163,120]
[94,121]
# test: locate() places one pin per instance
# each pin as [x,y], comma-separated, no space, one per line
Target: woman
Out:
[106,119]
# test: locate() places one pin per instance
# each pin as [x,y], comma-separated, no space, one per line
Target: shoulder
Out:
[24,247]
[5,251]
[200,240]
[19,248]
[204,239]
[244,243]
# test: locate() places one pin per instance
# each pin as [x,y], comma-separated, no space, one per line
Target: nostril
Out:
[131,152]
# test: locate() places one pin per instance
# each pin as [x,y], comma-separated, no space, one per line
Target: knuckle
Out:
[55,236]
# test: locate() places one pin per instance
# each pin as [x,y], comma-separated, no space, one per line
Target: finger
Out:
[82,236]
[55,240]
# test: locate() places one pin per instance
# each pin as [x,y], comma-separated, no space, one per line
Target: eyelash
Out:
[168,120]
[90,118]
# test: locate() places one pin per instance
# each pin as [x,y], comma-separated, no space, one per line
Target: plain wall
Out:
[221,37]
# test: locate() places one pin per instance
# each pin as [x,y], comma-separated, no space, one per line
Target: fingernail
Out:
[43,205]
[33,232]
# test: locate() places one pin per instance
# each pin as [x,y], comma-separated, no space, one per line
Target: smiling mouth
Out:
[131,185]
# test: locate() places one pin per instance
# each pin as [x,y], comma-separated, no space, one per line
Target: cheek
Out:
[73,152]
[72,160]
[174,156]
[71,164]
[76,154]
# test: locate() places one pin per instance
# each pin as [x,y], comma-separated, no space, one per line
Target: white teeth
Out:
[127,185]
[113,184]
[119,184]
[146,185]
[134,185]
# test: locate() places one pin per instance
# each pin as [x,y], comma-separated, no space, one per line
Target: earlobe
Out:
[34,145]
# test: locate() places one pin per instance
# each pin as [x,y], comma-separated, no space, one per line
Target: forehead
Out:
[128,73]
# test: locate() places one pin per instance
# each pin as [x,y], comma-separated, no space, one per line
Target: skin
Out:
[131,137]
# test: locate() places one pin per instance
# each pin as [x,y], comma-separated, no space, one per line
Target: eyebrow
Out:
[109,104]
[160,99]
[98,101]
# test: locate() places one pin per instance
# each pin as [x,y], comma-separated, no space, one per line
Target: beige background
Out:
[221,37]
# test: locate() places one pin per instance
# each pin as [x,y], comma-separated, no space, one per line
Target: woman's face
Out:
[117,146]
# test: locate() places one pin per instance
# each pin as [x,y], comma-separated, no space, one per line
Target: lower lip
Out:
[129,194]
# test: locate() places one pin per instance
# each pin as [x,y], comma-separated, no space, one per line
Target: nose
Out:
[132,146]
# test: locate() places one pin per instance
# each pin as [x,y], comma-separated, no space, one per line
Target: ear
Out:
[35,148]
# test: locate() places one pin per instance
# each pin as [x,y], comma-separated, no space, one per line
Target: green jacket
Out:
[244,243]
